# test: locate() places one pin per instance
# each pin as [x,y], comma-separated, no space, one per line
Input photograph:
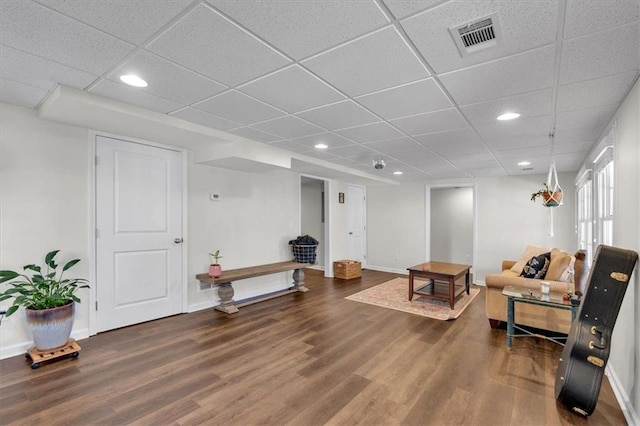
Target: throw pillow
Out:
[528,254]
[561,266]
[537,266]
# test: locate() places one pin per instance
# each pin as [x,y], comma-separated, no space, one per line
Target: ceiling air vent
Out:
[477,35]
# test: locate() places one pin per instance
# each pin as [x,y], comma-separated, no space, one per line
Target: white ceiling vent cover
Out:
[477,35]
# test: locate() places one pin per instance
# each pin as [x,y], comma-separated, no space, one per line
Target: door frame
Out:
[328,265]
[364,221]
[92,249]
[474,233]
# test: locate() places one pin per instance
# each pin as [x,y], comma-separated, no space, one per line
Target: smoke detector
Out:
[378,163]
[479,34]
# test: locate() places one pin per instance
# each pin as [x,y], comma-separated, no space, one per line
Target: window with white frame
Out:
[584,209]
[603,198]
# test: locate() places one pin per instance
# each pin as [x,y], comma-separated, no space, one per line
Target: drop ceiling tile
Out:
[525,24]
[439,121]
[132,21]
[539,152]
[488,172]
[370,132]
[134,96]
[238,107]
[452,173]
[410,99]
[301,29]
[591,93]
[32,28]
[422,159]
[453,137]
[467,159]
[573,147]
[344,162]
[518,142]
[205,119]
[466,165]
[587,17]
[579,134]
[355,150]
[458,150]
[255,135]
[292,89]
[35,71]
[209,44]
[288,127]
[611,51]
[540,126]
[585,117]
[339,115]
[402,8]
[12,92]
[392,146]
[530,104]
[348,67]
[167,79]
[330,139]
[509,76]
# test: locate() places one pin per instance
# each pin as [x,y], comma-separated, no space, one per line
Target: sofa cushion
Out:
[561,266]
[537,266]
[526,256]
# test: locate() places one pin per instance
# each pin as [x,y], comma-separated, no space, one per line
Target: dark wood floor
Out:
[303,359]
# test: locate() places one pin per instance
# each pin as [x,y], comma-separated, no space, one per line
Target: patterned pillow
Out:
[537,266]
[526,256]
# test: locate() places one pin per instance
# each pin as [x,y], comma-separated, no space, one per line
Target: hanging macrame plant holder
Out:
[552,197]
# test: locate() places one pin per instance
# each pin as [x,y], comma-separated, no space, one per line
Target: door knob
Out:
[178,240]
[350,233]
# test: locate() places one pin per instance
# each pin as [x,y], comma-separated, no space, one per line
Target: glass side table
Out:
[534,297]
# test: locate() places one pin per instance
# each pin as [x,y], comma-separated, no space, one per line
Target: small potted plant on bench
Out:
[215,270]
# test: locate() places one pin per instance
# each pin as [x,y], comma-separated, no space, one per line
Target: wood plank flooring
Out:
[305,359]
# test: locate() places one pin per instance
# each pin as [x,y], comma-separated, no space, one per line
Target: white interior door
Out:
[356,225]
[139,233]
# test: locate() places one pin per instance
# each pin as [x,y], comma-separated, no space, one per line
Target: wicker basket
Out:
[304,253]
[347,269]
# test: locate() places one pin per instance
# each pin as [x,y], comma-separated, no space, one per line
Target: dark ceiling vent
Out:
[477,35]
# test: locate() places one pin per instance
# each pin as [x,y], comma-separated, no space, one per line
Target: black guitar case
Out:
[586,352]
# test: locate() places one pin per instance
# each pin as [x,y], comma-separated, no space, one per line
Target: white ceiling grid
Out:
[367,78]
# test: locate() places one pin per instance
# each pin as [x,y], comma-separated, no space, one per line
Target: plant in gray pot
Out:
[48,298]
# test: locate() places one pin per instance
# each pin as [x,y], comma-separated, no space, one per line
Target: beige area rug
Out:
[394,295]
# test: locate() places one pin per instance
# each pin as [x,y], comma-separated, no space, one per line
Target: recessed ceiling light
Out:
[133,80]
[321,146]
[508,116]
[524,163]
[397,172]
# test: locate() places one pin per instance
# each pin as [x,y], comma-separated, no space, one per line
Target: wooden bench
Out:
[225,288]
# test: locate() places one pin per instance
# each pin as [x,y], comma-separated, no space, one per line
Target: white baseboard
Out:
[21,348]
[621,396]
[385,269]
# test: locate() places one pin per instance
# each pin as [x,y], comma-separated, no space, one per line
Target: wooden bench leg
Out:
[298,281]
[225,293]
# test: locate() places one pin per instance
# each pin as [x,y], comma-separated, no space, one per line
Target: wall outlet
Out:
[214,197]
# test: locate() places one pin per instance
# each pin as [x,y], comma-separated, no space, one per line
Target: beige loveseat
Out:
[527,314]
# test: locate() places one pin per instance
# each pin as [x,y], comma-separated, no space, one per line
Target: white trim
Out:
[328,265]
[21,348]
[385,269]
[621,396]
[93,137]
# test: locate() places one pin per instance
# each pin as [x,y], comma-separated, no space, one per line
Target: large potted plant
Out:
[48,298]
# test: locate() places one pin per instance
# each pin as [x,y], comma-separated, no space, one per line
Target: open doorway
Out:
[451,224]
[313,215]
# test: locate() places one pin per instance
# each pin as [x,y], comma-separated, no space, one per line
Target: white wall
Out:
[507,222]
[44,204]
[625,352]
[395,226]
[451,224]
[45,198]
[311,214]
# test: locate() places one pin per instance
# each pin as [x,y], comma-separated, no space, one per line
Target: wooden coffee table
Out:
[439,271]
